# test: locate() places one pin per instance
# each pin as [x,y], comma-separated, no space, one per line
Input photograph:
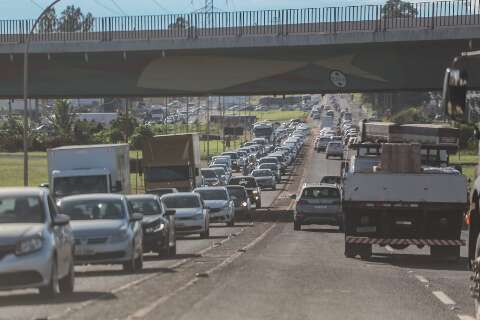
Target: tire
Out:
[67,284]
[445,253]
[274,188]
[326,156]
[231,223]
[172,251]
[297,226]
[258,204]
[51,289]
[350,251]
[206,234]
[366,251]
[133,264]
[139,262]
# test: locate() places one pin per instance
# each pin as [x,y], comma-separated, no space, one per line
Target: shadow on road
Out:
[116,273]
[217,237]
[419,261]
[31,299]
[322,230]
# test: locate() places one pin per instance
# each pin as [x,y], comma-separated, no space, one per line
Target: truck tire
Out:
[297,226]
[365,251]
[447,253]
[350,251]
[258,204]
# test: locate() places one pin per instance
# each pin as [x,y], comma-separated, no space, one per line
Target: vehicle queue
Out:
[45,236]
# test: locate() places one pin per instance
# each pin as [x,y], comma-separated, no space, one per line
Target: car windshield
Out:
[261,173]
[21,209]
[270,166]
[244,181]
[320,193]
[212,194]
[220,171]
[237,193]
[68,186]
[220,161]
[331,179]
[208,174]
[146,207]
[93,209]
[181,202]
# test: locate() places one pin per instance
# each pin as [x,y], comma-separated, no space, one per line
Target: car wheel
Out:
[274,188]
[297,226]
[172,251]
[350,251]
[206,234]
[51,289]
[67,284]
[231,223]
[131,265]
[258,205]
[139,262]
[326,156]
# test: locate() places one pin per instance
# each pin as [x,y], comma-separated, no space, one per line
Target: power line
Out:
[160,6]
[105,7]
[36,4]
[119,8]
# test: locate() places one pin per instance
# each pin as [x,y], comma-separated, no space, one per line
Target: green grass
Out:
[464,159]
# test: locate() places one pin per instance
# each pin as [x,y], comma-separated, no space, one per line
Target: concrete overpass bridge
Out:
[316,50]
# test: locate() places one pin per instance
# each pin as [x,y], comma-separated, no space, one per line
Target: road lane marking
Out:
[465,317]
[443,298]
[421,279]
[135,282]
[143,312]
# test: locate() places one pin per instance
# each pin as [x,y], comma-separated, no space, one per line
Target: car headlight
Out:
[255,191]
[244,204]
[29,245]
[155,228]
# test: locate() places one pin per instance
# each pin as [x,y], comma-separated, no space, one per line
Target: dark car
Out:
[241,200]
[331,180]
[158,224]
[251,186]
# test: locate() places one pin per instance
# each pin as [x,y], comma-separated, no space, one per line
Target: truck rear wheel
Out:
[350,251]
[365,251]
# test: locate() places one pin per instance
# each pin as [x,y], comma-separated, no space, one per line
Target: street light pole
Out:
[25,92]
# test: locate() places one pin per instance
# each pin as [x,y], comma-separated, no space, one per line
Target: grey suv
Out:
[318,204]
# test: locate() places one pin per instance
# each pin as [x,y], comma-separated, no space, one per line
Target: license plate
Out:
[320,207]
[367,229]
[83,251]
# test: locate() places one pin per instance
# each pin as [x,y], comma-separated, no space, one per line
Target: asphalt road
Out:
[264,270]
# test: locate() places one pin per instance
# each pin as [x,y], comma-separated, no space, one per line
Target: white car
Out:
[220,207]
[36,243]
[191,215]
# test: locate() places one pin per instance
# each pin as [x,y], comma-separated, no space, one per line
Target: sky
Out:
[18,9]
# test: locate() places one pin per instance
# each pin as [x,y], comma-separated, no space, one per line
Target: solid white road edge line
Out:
[143,312]
[465,317]
[443,298]
[135,282]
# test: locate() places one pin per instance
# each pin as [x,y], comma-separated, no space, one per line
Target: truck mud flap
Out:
[416,242]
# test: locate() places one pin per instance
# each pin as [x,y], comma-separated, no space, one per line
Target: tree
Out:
[72,19]
[48,23]
[122,126]
[399,9]
[62,120]
[181,23]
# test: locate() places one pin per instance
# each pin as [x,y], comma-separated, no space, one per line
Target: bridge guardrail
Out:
[328,20]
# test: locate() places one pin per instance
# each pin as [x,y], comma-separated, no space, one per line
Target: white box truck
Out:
[89,169]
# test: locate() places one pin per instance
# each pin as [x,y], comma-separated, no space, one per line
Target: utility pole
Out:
[127,120]
[187,115]
[208,127]
[165,124]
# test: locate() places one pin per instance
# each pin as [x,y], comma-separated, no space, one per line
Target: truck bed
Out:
[405,187]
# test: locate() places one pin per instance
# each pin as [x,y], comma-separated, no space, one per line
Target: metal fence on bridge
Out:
[328,20]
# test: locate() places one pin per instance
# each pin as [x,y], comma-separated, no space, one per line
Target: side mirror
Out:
[44,185]
[61,220]
[136,217]
[455,93]
[293,196]
[170,212]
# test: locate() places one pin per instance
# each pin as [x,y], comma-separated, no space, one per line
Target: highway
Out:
[265,270]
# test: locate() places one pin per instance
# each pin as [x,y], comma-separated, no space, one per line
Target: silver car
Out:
[220,207]
[210,177]
[191,215]
[105,230]
[36,243]
[334,149]
[318,204]
[265,178]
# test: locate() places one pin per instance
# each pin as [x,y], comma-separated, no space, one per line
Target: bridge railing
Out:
[328,20]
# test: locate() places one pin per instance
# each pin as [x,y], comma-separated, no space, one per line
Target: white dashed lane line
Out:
[465,317]
[421,279]
[443,298]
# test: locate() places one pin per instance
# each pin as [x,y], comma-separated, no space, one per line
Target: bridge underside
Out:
[254,71]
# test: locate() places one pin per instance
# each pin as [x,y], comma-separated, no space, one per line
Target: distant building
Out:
[102,118]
